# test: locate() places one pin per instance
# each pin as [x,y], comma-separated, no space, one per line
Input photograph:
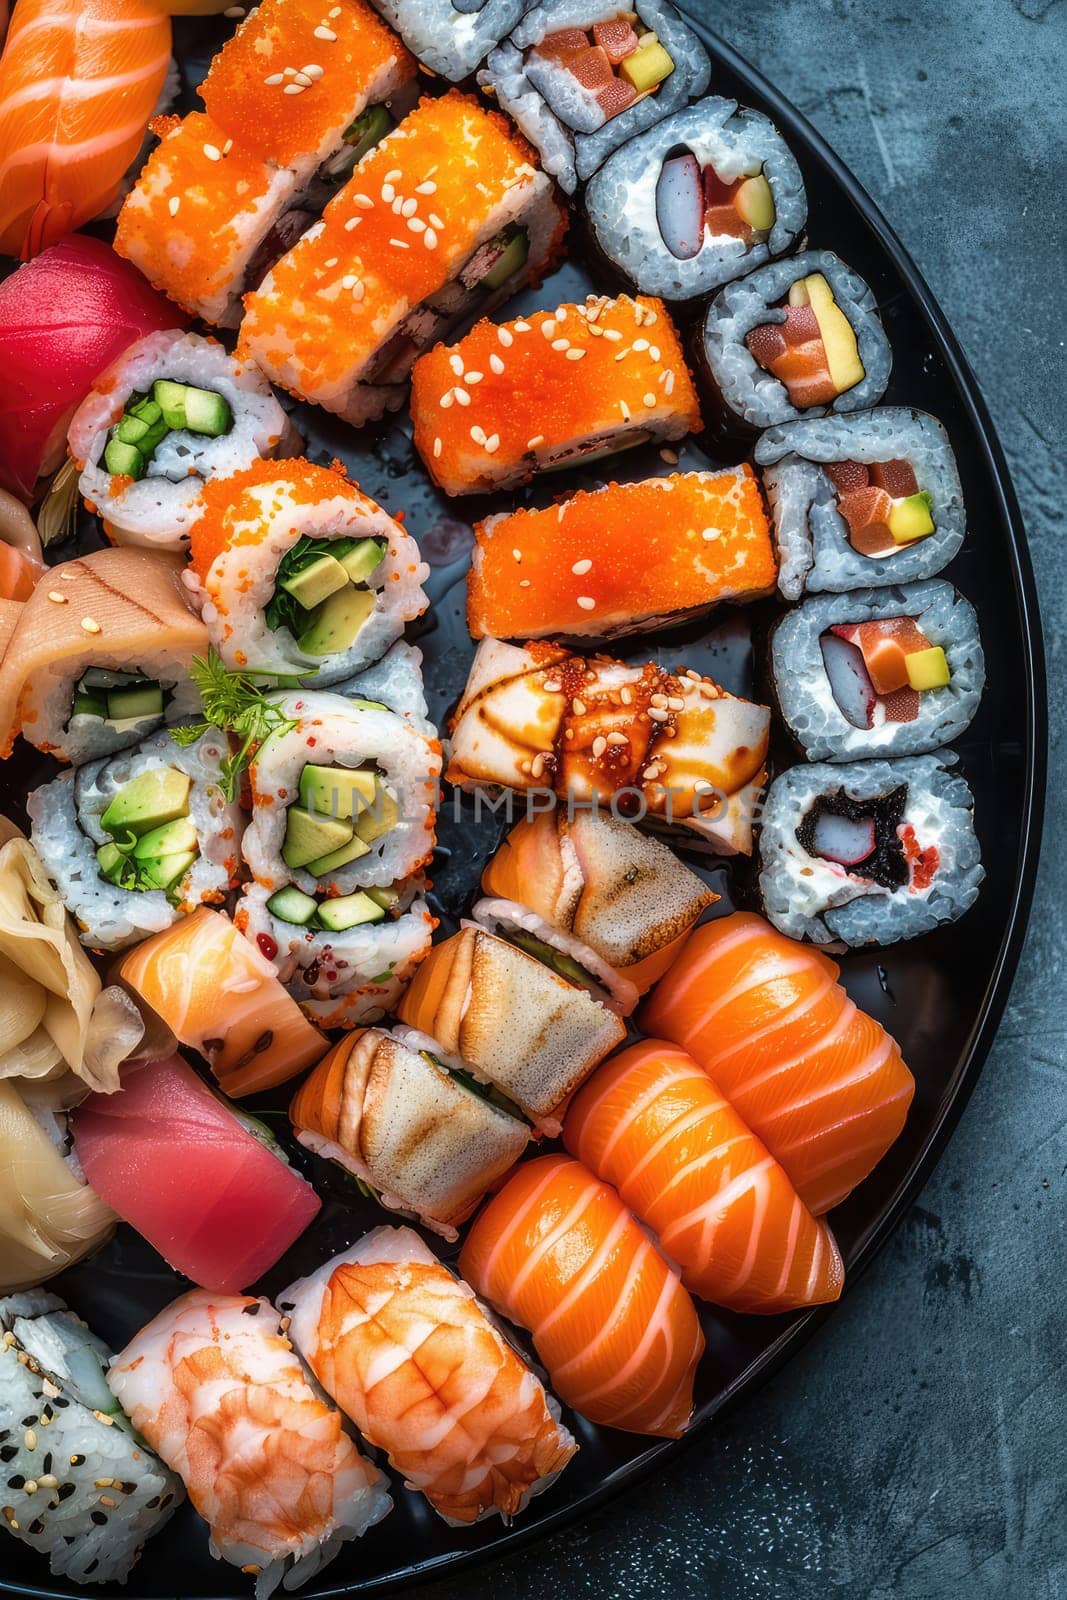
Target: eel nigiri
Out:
[179,1165]
[820,1082]
[79,80]
[214,1386]
[651,1122]
[408,1353]
[558,1252]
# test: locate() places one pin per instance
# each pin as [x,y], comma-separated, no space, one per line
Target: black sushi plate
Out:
[940,996]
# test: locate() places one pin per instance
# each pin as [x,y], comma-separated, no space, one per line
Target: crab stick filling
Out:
[882,504]
[589,75]
[813,349]
[878,671]
[870,839]
[694,203]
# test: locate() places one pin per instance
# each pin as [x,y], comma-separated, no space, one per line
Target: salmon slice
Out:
[820,1082]
[651,1122]
[558,1252]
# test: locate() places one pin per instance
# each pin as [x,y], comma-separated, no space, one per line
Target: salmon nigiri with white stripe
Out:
[820,1082]
[651,1122]
[558,1252]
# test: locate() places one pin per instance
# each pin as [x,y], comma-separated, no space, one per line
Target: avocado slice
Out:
[514,256]
[383,814]
[911,518]
[123,460]
[361,560]
[140,700]
[113,863]
[131,430]
[338,858]
[207,412]
[309,837]
[157,796]
[291,905]
[315,582]
[146,411]
[348,911]
[336,791]
[170,398]
[169,839]
[333,625]
[369,705]
[164,871]
[556,960]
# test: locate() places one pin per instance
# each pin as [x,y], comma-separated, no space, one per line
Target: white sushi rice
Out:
[814,548]
[396,682]
[78,1486]
[807,897]
[67,829]
[330,731]
[806,699]
[755,396]
[158,510]
[451,37]
[50,695]
[504,916]
[737,142]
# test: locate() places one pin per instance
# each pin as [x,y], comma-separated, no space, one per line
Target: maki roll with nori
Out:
[451,37]
[869,852]
[703,197]
[878,672]
[798,337]
[865,499]
[582,76]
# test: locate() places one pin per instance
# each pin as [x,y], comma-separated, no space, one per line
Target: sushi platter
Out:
[523,736]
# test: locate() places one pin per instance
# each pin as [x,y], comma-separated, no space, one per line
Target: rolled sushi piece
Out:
[99,656]
[393,684]
[451,37]
[878,672]
[171,413]
[139,839]
[593,890]
[209,1188]
[574,568]
[215,1386]
[580,77]
[80,1487]
[703,197]
[800,337]
[551,389]
[861,500]
[410,1355]
[297,573]
[218,994]
[442,221]
[486,1006]
[426,1141]
[869,852]
[636,740]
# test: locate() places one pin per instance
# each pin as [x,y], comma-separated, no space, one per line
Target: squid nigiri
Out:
[558,1252]
[408,1353]
[652,1123]
[820,1082]
[79,80]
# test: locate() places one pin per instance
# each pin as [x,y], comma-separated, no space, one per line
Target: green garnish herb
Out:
[234,702]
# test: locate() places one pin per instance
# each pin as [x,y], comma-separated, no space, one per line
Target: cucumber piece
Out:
[131,430]
[170,398]
[291,905]
[207,412]
[136,702]
[369,129]
[157,432]
[369,705]
[123,460]
[348,911]
[515,253]
[146,410]
[557,961]
[88,705]
[386,898]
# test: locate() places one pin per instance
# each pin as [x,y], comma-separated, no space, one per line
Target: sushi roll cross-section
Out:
[451,37]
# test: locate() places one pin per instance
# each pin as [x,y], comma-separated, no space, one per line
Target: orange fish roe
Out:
[297,72]
[237,510]
[504,400]
[607,561]
[414,212]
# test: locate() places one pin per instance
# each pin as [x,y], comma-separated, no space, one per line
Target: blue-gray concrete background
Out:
[916,1449]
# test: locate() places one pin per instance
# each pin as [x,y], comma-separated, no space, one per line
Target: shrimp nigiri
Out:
[558,1252]
[408,1353]
[79,80]
[651,1122]
[820,1082]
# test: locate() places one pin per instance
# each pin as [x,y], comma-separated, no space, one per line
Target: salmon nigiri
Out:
[820,1082]
[79,80]
[558,1252]
[651,1122]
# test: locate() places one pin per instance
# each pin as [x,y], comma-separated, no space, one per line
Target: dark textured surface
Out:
[916,1450]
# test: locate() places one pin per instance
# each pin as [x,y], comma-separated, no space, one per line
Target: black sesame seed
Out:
[31,1421]
[16,1482]
[76,1461]
[59,1401]
[36,1526]
[8,1453]
[150,1505]
[47,1462]
[65,1490]
[99,1517]
[92,1566]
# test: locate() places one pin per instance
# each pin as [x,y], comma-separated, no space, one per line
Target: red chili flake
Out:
[268,945]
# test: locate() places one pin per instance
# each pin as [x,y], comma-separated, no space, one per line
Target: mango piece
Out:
[647,67]
[755,204]
[912,518]
[928,669]
[842,352]
[798,293]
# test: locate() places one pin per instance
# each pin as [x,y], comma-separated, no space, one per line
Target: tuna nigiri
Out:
[79,80]
[820,1082]
[175,1162]
[558,1252]
[651,1122]
[408,1353]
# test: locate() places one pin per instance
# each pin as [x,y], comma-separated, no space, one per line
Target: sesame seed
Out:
[659,700]
[325,33]
[653,351]
[505,338]
[548,329]
[521,327]
[478,434]
[626,695]
[353,222]
[649,398]
[581,567]
[495,363]
[275,77]
[473,377]
[670,457]
[398,205]
[393,174]
[561,344]
[462,397]
[409,208]
[612,335]
[623,354]
[234,11]
[575,355]
[446,399]
[597,333]
[524,583]
[429,239]
[213,152]
[437,447]
[657,715]
[313,70]
[552,685]
[359,289]
[59,600]
[587,602]
[48,1480]
[676,702]
[303,80]
[401,244]
[578,707]
[640,344]
[600,744]
[30,1486]
[536,442]
[429,187]
[332,262]
[617,739]
[435,220]
[349,281]
[537,766]
[29,1439]
[709,534]
[492,444]
[90,625]
[363,201]
[416,224]
[294,88]
[388,192]
[626,412]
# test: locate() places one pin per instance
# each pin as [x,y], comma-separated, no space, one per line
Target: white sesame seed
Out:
[446,399]
[521,327]
[492,444]
[456,363]
[313,70]
[29,1439]
[429,187]
[581,567]
[676,702]
[552,686]
[478,434]
[388,192]
[90,625]
[275,77]
[349,280]
[401,244]
[353,222]
[536,442]
[398,205]
[213,152]
[612,335]
[303,80]
[516,555]
[709,534]
[227,147]
[435,220]
[524,583]
[649,399]
[668,387]
[626,695]
[578,706]
[325,33]
[548,329]
[587,602]
[363,201]
[495,363]
[653,351]
[537,765]
[626,412]
[437,447]
[173,203]
[416,224]
[429,239]
[575,355]
[59,599]
[332,262]
[290,72]
[596,331]
[659,700]
[640,344]
[462,397]
[473,377]
[409,208]
[294,88]
[561,344]
[505,338]
[617,739]
[600,744]
[393,174]
[657,715]
[359,289]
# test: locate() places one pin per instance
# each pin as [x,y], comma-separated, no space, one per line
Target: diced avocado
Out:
[88,705]
[513,256]
[648,65]
[157,796]
[348,911]
[131,430]
[556,960]
[338,858]
[308,837]
[369,128]
[169,839]
[147,411]
[755,204]
[207,412]
[112,862]
[123,460]
[157,431]
[386,898]
[362,559]
[836,332]
[316,582]
[336,791]
[143,700]
[170,398]
[165,871]
[291,905]
[333,625]
[369,705]
[384,813]
[928,669]
[912,518]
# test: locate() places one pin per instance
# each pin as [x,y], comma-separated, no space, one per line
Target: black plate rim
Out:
[797,127]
